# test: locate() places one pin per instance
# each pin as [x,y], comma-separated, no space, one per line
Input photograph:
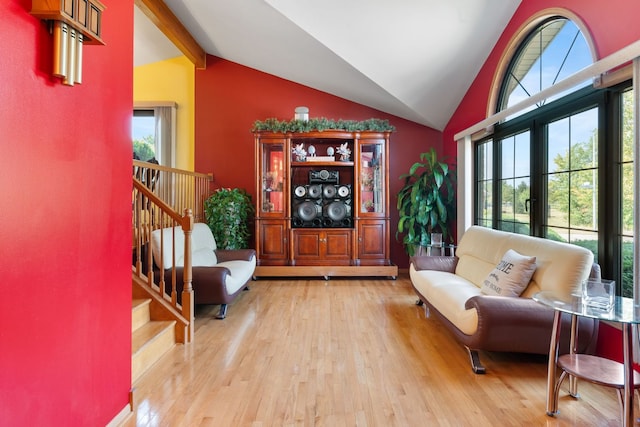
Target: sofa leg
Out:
[223,312]
[476,365]
[421,303]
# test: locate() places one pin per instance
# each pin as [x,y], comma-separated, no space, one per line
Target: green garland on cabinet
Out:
[321,124]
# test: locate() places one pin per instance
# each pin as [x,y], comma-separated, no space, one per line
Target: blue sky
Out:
[142,126]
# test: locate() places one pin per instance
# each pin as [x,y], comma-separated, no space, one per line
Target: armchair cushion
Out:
[203,246]
[203,258]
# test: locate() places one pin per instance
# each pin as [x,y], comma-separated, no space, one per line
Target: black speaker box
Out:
[336,213]
[313,191]
[306,213]
[324,176]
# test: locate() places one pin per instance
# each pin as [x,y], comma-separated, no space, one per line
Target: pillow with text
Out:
[511,276]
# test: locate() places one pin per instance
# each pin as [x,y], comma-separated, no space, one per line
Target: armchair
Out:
[218,276]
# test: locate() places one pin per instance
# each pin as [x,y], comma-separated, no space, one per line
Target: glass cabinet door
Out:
[371,178]
[273,178]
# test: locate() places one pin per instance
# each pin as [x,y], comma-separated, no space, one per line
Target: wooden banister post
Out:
[187,288]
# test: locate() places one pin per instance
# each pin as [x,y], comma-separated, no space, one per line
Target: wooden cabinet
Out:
[273,242]
[322,205]
[321,246]
[372,243]
[83,15]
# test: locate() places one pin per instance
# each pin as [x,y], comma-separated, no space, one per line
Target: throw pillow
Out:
[511,276]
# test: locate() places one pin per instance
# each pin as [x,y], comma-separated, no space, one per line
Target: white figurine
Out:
[299,152]
[344,152]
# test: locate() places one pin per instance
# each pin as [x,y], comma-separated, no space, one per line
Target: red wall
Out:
[612,28]
[65,311]
[231,97]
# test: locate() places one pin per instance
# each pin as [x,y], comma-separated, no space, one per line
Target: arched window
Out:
[554,50]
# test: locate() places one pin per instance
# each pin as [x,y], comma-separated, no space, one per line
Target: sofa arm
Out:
[199,275]
[523,325]
[495,311]
[208,284]
[439,263]
[235,254]
[209,274]
[511,324]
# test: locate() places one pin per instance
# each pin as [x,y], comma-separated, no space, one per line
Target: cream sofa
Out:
[451,289]
[218,275]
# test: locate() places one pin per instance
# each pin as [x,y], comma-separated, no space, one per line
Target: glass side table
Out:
[598,370]
[437,250]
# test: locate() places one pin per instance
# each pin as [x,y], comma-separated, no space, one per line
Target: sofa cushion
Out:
[561,267]
[447,293]
[203,245]
[511,276]
[202,258]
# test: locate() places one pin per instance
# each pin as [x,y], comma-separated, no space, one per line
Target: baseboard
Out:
[122,416]
[326,271]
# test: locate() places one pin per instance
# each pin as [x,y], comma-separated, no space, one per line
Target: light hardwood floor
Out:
[354,352]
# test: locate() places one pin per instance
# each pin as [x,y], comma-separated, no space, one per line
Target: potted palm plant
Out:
[426,202]
[227,212]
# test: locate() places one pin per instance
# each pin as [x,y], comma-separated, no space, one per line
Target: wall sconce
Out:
[301,113]
[73,24]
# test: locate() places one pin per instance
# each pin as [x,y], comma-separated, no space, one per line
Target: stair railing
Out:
[151,213]
[178,188]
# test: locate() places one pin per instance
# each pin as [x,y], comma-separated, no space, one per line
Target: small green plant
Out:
[426,202]
[228,211]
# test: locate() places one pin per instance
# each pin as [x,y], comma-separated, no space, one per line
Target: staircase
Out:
[158,320]
[150,340]
[155,327]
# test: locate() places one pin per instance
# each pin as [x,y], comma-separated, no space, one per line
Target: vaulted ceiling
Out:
[411,58]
